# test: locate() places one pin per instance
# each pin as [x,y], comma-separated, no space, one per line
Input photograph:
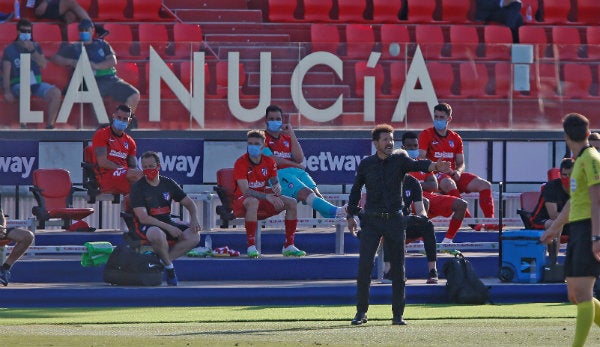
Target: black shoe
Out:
[433,277]
[387,275]
[360,318]
[49,126]
[23,126]
[100,31]
[397,320]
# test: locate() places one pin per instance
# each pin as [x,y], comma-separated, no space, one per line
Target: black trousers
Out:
[372,229]
[417,227]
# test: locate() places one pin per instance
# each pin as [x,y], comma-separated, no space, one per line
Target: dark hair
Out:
[24,23]
[409,135]
[125,109]
[576,126]
[151,154]
[381,128]
[259,134]
[444,107]
[594,136]
[273,108]
[566,163]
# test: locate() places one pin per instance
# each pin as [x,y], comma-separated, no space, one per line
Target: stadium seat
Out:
[121,39]
[548,81]
[501,80]
[324,37]
[456,11]
[566,43]
[359,41]
[553,173]
[529,200]
[8,32]
[386,11]
[537,36]
[442,78]
[473,80]
[188,39]
[393,33]
[130,72]
[360,71]
[431,40]
[317,10]
[165,91]
[53,192]
[397,77]
[556,11]
[222,79]
[185,74]
[49,36]
[577,81]
[146,10]
[498,42]
[111,10]
[351,11]
[593,42]
[73,32]
[57,75]
[534,9]
[89,167]
[421,11]
[464,42]
[588,11]
[155,35]
[282,11]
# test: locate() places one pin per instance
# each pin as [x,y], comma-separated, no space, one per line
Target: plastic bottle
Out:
[208,242]
[532,272]
[17,9]
[529,14]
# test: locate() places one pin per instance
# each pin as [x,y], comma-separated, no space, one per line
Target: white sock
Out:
[170,266]
[447,240]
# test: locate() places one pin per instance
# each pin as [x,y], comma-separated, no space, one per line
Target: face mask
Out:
[120,125]
[85,36]
[274,125]
[439,124]
[254,150]
[25,36]
[566,182]
[151,173]
[413,153]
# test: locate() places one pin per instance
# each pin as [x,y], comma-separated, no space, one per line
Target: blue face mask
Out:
[120,125]
[274,125]
[25,36]
[413,153]
[85,36]
[439,124]
[254,150]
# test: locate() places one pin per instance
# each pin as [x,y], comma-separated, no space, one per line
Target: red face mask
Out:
[566,182]
[151,173]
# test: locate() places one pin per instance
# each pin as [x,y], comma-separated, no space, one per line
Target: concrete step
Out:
[205,4]
[248,38]
[220,15]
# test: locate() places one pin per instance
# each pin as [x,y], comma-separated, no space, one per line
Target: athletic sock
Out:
[251,232]
[486,202]
[454,192]
[596,311]
[453,228]
[290,230]
[585,317]
[169,267]
[322,206]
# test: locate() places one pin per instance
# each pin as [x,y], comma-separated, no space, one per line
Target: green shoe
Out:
[252,252]
[292,251]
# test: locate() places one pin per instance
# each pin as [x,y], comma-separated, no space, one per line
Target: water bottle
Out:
[208,242]
[532,272]
[529,14]
[17,9]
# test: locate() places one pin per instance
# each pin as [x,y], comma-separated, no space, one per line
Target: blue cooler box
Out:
[523,256]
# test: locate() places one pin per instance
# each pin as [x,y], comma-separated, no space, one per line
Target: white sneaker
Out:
[445,240]
[292,251]
[252,252]
[341,212]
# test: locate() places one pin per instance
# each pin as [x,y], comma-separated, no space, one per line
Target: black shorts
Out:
[116,88]
[144,228]
[580,261]
[52,11]
[4,233]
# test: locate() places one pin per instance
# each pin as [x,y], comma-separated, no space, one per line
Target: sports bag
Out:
[463,286]
[128,268]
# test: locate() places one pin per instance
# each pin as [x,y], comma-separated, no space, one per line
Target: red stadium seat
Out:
[588,11]
[553,173]
[473,80]
[529,200]
[165,91]
[498,41]
[130,72]
[111,10]
[548,80]
[464,40]
[442,78]
[121,39]
[577,81]
[556,11]
[185,74]
[49,37]
[431,40]
[146,10]
[351,10]
[537,36]
[324,37]
[361,70]
[397,77]
[566,43]
[593,42]
[455,11]
[501,80]
[386,11]
[188,39]
[393,33]
[57,75]
[282,10]
[534,8]
[317,10]
[8,32]
[421,11]
[222,79]
[359,41]
[73,32]
[155,35]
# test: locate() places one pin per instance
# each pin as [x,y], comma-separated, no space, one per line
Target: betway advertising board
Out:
[180,159]
[18,160]
[334,161]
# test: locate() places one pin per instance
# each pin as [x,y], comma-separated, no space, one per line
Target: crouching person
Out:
[252,173]
[151,199]
[22,238]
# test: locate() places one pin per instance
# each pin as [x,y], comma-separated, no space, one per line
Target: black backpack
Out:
[463,285]
[127,267]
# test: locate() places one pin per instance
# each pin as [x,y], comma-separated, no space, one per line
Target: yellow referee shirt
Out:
[586,173]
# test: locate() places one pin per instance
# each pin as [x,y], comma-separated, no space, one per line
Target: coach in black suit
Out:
[507,12]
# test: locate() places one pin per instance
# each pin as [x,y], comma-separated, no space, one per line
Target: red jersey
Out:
[444,147]
[280,146]
[256,174]
[118,148]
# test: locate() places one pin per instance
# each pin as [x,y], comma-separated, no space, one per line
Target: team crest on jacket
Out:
[166,196]
[126,145]
[451,143]
[286,144]
[407,193]
[263,171]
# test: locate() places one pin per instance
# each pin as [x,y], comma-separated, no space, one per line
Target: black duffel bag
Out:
[127,267]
